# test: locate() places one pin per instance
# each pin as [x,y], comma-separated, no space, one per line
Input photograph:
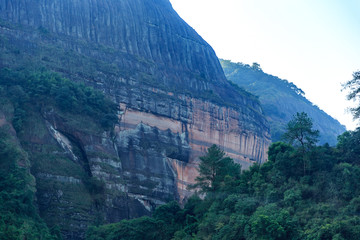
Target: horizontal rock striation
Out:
[135,27]
[173,96]
[205,124]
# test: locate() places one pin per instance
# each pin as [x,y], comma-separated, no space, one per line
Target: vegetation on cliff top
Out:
[79,65]
[24,98]
[303,192]
[280,100]
[276,200]
[46,89]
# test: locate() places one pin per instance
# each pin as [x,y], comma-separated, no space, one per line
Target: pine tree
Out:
[213,169]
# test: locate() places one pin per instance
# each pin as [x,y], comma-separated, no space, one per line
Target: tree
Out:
[213,169]
[299,133]
[256,66]
[348,146]
[354,87]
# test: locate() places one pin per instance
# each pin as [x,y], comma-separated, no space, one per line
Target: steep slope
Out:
[60,126]
[174,101]
[281,100]
[19,218]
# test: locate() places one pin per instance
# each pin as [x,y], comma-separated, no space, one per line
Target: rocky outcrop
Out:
[173,96]
[133,27]
[206,124]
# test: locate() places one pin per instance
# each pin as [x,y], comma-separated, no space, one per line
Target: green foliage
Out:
[270,222]
[299,131]
[213,169]
[166,220]
[18,215]
[26,96]
[44,88]
[96,189]
[353,86]
[136,229]
[286,160]
[275,200]
[349,147]
[280,100]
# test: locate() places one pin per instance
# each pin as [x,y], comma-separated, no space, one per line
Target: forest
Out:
[109,109]
[23,94]
[303,191]
[280,100]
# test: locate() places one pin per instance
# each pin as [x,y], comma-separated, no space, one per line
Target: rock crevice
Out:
[174,102]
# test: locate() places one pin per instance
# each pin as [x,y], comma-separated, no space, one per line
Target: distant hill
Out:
[281,99]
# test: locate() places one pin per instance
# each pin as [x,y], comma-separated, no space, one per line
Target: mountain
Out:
[94,162]
[281,100]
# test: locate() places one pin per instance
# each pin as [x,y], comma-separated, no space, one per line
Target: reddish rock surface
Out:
[209,124]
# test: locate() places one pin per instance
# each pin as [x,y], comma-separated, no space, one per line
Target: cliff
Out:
[174,102]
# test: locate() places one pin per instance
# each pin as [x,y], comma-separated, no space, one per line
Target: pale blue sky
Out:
[313,43]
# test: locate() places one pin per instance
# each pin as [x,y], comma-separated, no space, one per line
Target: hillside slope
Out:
[172,96]
[280,100]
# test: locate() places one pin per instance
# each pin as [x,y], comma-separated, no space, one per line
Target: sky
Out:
[313,43]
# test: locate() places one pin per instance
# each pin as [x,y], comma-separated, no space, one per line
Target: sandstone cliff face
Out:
[206,124]
[173,96]
[135,27]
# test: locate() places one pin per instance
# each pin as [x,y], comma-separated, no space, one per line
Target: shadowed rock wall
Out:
[173,96]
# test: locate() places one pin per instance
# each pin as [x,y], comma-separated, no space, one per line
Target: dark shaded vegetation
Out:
[19,218]
[354,93]
[26,96]
[281,199]
[212,170]
[45,89]
[280,100]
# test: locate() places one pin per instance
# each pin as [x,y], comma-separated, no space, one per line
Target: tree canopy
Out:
[213,169]
[275,200]
[354,93]
[300,132]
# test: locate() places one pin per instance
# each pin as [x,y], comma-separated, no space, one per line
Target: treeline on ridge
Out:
[42,88]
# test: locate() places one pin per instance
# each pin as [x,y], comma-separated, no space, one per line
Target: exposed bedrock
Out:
[186,138]
[174,103]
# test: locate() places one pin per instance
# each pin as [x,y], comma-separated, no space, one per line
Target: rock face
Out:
[174,103]
[206,124]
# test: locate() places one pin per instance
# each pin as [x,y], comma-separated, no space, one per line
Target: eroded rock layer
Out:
[207,124]
[174,103]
